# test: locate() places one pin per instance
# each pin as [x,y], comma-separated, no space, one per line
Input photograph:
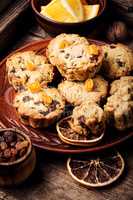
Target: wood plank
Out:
[14,22]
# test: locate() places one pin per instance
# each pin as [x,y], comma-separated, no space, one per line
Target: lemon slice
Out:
[90,11]
[75,8]
[60,11]
[69,136]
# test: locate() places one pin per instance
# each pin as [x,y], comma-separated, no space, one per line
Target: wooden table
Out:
[51,181]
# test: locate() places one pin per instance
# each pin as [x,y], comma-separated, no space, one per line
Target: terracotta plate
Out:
[46,138]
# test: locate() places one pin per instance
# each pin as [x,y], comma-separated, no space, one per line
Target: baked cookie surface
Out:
[119,111]
[93,90]
[122,86]
[75,58]
[24,68]
[88,118]
[118,61]
[39,109]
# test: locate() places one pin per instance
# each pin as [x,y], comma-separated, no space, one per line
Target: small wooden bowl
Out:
[13,173]
[54,27]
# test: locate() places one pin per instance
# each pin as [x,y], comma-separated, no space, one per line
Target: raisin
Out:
[21,145]
[13,152]
[22,152]
[7,153]
[13,70]
[1,139]
[79,56]
[27,98]
[120,63]
[3,145]
[37,102]
[10,136]
[106,54]
[43,112]
[81,120]
[94,58]
[67,55]
[53,105]
[112,46]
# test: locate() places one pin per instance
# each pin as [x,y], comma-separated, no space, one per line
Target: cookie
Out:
[88,118]
[123,86]
[39,109]
[118,61]
[27,67]
[93,90]
[75,58]
[119,111]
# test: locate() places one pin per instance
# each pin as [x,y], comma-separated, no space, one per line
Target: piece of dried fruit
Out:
[89,84]
[21,145]
[3,145]
[46,99]
[7,153]
[9,136]
[96,171]
[30,66]
[34,87]
[93,49]
[64,44]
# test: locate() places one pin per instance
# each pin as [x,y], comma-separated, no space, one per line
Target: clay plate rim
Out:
[72,150]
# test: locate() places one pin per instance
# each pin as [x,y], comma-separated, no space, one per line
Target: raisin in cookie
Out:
[39,108]
[118,61]
[93,90]
[27,67]
[74,56]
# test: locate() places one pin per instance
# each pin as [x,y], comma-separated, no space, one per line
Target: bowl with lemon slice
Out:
[77,16]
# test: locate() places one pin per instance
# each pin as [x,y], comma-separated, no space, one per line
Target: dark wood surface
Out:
[51,181]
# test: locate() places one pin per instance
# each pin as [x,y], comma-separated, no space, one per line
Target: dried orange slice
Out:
[90,11]
[96,171]
[34,87]
[89,84]
[69,136]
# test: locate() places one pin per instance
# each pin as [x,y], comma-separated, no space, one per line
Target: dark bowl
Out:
[54,27]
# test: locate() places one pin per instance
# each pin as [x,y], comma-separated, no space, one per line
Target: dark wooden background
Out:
[51,181]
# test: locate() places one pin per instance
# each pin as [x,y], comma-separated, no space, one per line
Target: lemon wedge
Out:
[59,11]
[84,2]
[74,7]
[90,11]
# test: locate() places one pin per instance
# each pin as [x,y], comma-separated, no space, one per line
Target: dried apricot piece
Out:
[34,87]
[93,49]
[30,66]
[46,99]
[64,44]
[89,84]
